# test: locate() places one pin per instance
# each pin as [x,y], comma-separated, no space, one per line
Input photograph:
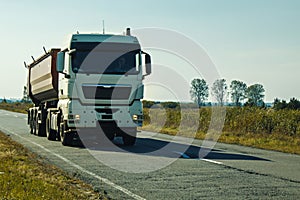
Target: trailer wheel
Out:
[30,121]
[66,138]
[34,126]
[31,126]
[129,136]
[50,133]
[41,129]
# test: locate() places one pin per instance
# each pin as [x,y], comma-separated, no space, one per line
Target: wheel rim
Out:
[62,132]
[47,128]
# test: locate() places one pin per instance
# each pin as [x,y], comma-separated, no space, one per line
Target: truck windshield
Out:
[105,58]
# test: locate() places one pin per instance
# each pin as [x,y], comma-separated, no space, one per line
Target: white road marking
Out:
[212,161]
[108,182]
[183,155]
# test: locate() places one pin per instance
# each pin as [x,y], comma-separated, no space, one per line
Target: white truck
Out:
[95,83]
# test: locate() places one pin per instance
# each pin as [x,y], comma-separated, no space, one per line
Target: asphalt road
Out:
[152,170]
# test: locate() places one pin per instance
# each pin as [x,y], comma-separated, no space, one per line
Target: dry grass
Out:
[24,176]
[277,142]
[176,122]
[16,107]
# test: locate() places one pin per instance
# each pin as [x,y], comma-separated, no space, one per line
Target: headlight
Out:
[77,117]
[134,117]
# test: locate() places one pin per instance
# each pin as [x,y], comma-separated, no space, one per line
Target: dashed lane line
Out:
[212,161]
[183,155]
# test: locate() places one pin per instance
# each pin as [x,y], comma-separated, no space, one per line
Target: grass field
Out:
[16,107]
[24,176]
[254,127]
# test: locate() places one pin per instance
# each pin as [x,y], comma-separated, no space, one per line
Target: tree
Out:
[199,91]
[238,91]
[293,104]
[255,95]
[219,91]
[25,98]
[278,105]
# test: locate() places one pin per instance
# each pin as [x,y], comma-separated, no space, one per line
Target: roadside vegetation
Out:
[267,128]
[24,176]
[20,107]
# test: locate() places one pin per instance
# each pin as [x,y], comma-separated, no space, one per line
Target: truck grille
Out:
[113,92]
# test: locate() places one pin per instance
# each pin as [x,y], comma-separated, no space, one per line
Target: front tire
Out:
[109,132]
[66,138]
[129,136]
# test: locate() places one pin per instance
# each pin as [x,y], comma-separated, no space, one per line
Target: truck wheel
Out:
[31,127]
[129,136]
[41,129]
[50,133]
[110,136]
[65,138]
[34,127]
[109,133]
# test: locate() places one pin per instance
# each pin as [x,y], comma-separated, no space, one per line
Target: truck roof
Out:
[104,38]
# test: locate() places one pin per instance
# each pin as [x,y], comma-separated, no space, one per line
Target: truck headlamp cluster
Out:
[134,117]
[137,117]
[77,117]
[74,118]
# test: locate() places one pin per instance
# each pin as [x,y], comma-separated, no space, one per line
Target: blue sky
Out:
[254,41]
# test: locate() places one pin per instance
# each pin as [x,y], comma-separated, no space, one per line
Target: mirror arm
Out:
[66,75]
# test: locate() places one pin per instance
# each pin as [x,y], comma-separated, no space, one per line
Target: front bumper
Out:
[81,116]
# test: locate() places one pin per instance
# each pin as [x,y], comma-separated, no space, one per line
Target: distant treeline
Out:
[294,104]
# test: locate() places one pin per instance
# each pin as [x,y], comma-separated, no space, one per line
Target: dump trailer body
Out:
[43,78]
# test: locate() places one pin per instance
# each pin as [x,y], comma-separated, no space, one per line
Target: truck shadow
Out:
[154,147]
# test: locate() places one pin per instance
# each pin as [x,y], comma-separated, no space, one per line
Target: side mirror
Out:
[148,64]
[60,62]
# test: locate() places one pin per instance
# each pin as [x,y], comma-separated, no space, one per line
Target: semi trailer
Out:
[95,84]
